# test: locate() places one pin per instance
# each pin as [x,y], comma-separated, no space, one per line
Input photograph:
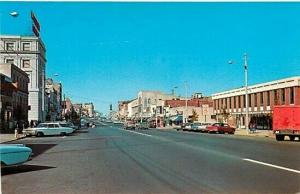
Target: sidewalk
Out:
[9,137]
[242,132]
[257,133]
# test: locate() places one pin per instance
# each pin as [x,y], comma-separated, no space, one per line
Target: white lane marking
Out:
[272,165]
[139,133]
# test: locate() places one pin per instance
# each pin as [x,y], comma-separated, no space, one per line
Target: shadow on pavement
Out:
[22,169]
[38,149]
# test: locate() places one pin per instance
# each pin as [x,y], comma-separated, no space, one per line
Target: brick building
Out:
[19,85]
[230,105]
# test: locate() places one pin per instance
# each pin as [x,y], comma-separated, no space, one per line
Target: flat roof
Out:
[277,84]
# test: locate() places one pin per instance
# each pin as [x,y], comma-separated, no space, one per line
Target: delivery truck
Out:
[286,122]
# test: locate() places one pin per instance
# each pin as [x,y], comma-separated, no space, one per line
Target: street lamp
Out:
[186,104]
[14,14]
[246,90]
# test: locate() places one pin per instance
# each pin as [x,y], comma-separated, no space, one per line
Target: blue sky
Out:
[105,52]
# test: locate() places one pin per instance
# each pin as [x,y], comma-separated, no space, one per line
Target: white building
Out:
[133,108]
[151,103]
[28,53]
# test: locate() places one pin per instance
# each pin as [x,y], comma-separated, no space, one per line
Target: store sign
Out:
[35,25]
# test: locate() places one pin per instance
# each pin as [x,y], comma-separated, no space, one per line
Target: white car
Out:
[48,129]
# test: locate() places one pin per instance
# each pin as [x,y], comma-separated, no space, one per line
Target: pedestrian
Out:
[17,131]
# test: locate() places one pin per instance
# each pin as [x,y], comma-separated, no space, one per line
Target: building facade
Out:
[29,54]
[6,108]
[151,103]
[199,106]
[20,82]
[133,109]
[53,92]
[230,106]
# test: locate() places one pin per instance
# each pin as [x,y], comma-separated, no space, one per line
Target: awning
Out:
[176,118]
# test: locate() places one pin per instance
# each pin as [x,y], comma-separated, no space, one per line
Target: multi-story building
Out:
[230,106]
[88,109]
[53,92]
[77,108]
[133,109]
[151,103]
[28,53]
[201,107]
[6,109]
[123,110]
[20,91]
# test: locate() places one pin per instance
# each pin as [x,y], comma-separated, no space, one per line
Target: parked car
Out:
[48,129]
[69,124]
[143,125]
[14,154]
[200,127]
[220,128]
[129,125]
[187,127]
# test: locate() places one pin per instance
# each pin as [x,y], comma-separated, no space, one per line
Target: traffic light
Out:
[110,107]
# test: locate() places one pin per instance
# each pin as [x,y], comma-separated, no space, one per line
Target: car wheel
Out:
[279,137]
[63,133]
[292,138]
[40,134]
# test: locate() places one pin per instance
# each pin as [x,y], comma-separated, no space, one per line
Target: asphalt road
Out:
[112,160]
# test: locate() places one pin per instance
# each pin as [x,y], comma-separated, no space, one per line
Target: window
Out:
[10,46]
[275,97]
[26,46]
[255,100]
[283,96]
[239,101]
[249,100]
[26,63]
[261,99]
[292,96]
[268,98]
[229,103]
[244,101]
[10,61]
[234,102]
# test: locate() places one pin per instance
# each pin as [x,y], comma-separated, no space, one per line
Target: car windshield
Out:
[42,125]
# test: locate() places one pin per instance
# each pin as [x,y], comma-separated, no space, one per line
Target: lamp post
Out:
[186,104]
[246,90]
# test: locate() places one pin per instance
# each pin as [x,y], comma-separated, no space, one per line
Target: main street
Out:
[109,159]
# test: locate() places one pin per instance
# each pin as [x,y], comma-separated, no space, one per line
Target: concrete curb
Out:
[13,140]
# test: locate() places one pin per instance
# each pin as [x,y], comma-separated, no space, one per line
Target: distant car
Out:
[68,124]
[220,128]
[187,127]
[201,127]
[14,154]
[143,125]
[48,129]
[129,125]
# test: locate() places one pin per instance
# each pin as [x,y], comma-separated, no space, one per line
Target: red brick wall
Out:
[297,95]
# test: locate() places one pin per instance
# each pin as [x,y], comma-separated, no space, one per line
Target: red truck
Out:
[286,122]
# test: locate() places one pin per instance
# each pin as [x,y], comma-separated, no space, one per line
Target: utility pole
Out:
[246,93]
[186,104]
